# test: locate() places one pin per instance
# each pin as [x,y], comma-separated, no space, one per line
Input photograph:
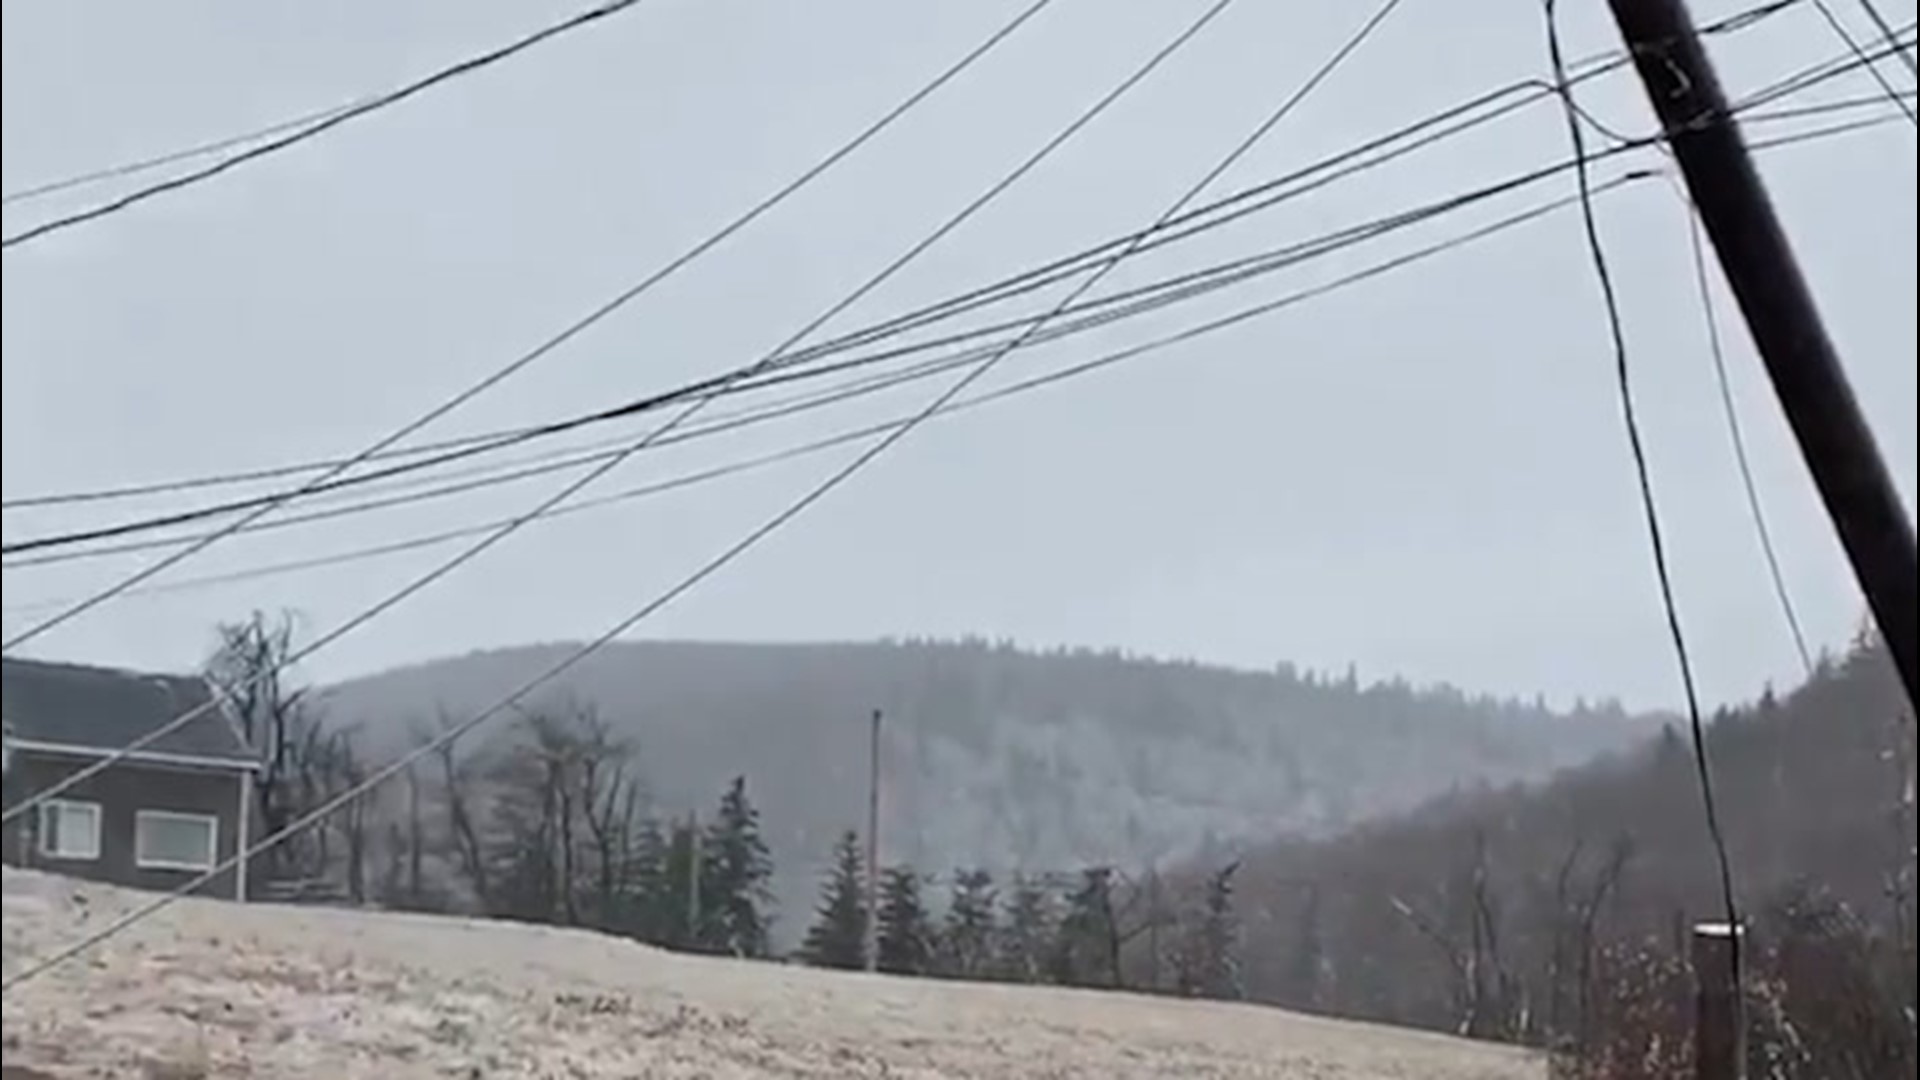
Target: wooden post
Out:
[243,835]
[693,880]
[1153,928]
[873,845]
[1720,1028]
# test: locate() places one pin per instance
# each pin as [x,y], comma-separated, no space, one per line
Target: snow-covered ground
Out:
[209,989]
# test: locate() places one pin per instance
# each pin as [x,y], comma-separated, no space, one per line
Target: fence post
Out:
[1720,1028]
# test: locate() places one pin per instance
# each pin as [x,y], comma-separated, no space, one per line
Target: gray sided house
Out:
[155,819]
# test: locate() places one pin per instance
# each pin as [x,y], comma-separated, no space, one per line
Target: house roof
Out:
[100,708]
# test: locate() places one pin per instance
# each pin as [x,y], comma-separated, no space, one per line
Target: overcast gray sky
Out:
[1425,474]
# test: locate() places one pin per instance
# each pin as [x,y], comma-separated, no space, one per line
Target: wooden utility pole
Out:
[693,880]
[872,946]
[1760,268]
[1153,928]
[1720,1028]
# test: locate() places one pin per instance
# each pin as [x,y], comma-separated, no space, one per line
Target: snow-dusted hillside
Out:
[1008,759]
[210,989]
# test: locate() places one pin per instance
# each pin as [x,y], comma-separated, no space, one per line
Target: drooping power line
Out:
[573,330]
[319,126]
[575,486]
[1859,52]
[1588,192]
[770,526]
[1656,536]
[1250,200]
[1736,436]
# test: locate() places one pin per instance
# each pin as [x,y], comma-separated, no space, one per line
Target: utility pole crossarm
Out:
[1847,467]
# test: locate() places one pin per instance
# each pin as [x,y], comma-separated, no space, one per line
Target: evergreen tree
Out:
[967,945]
[1081,954]
[1309,956]
[1029,932]
[838,937]
[737,868]
[905,937]
[681,906]
[648,916]
[1210,962]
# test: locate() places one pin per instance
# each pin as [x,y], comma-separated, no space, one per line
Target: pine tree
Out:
[905,938]
[1028,933]
[737,868]
[648,916]
[967,944]
[838,937]
[681,925]
[1209,961]
[1304,966]
[1081,951]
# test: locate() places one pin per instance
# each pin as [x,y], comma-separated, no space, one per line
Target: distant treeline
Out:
[1553,914]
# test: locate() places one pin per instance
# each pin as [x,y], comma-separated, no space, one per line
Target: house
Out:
[157,818]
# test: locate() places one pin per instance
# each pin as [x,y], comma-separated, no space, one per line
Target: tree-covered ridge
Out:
[1009,759]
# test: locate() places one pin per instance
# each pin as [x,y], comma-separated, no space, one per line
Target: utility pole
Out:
[1153,928]
[693,880]
[872,948]
[1759,265]
[1720,1030]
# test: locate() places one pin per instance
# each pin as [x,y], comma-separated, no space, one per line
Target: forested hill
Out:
[1540,912]
[1000,757]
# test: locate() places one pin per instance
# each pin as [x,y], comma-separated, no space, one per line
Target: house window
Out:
[166,840]
[70,830]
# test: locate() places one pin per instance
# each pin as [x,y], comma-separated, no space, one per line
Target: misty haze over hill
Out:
[1003,758]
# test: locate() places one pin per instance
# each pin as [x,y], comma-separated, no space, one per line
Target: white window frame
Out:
[144,861]
[90,852]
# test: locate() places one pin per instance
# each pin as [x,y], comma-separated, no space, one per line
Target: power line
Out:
[1343,164]
[1144,299]
[1189,334]
[1585,199]
[772,524]
[1860,53]
[1826,108]
[1020,284]
[572,458]
[690,479]
[1830,69]
[1886,34]
[322,125]
[567,334]
[1024,386]
[574,486]
[1260,197]
[172,157]
[1587,194]
[513,700]
[1656,537]
[1736,436]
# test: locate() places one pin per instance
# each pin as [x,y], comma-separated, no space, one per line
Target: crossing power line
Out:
[846,472]
[556,341]
[1589,191]
[1222,212]
[297,133]
[1024,386]
[573,487]
[525,517]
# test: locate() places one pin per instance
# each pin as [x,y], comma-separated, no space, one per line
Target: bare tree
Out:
[457,784]
[250,669]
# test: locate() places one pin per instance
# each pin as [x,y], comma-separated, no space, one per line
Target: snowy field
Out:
[208,989]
